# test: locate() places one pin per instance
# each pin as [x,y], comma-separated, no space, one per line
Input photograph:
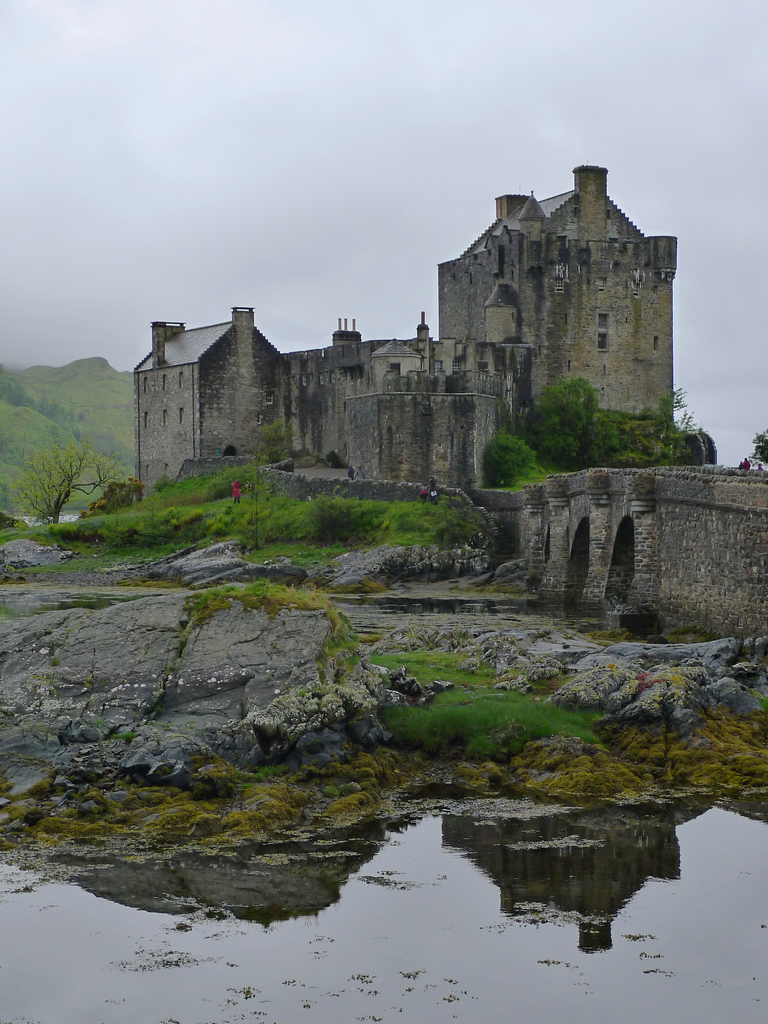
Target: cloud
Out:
[170,159]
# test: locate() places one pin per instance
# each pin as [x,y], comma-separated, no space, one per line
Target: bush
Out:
[506,459]
[333,460]
[455,524]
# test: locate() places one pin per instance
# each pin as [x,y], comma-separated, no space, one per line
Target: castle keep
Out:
[565,287]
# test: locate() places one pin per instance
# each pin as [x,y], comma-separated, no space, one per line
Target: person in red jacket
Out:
[236,491]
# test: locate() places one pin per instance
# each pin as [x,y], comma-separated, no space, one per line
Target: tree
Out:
[564,430]
[52,476]
[276,442]
[760,447]
[506,459]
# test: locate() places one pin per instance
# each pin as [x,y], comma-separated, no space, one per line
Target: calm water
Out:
[599,916]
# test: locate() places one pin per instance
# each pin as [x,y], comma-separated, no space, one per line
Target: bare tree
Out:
[52,476]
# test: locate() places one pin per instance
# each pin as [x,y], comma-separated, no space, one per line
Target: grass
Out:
[484,724]
[473,720]
[427,666]
[193,511]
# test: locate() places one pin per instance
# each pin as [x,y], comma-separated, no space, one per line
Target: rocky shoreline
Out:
[217,714]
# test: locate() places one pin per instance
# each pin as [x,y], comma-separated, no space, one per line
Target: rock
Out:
[734,696]
[512,574]
[386,564]
[220,563]
[24,554]
[713,654]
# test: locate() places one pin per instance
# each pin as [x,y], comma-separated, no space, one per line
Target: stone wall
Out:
[303,488]
[415,435]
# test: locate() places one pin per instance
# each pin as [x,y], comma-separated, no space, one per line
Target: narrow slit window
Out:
[165,417]
[181,414]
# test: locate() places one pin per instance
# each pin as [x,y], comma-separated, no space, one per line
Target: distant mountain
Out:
[86,399]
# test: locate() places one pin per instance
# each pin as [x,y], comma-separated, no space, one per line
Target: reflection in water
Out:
[417,935]
[261,882]
[588,866]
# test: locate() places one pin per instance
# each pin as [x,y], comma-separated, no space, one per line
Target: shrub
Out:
[506,459]
[455,524]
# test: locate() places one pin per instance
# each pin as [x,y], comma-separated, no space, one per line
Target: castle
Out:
[565,287]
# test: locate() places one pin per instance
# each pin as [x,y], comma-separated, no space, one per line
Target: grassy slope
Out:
[99,399]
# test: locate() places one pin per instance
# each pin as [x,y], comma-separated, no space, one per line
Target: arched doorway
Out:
[578,564]
[230,450]
[622,569]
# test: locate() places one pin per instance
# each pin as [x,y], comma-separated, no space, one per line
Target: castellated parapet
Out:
[558,288]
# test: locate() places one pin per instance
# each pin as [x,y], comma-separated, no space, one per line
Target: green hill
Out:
[86,399]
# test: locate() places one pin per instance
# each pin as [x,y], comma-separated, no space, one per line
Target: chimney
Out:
[343,336]
[591,185]
[422,332]
[507,205]
[161,332]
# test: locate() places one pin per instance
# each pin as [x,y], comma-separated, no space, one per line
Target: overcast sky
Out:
[168,159]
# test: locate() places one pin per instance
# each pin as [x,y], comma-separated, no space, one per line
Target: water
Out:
[17,601]
[530,916]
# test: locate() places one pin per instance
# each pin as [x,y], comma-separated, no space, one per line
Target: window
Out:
[601,282]
[608,215]
[322,378]
[164,379]
[456,366]
[482,366]
[181,378]
[165,417]
[602,321]
[166,469]
[602,340]
[304,379]
[146,417]
[181,414]
[145,385]
[655,343]
[569,366]
[438,366]
[258,418]
[395,367]
[559,284]
[333,377]
[270,399]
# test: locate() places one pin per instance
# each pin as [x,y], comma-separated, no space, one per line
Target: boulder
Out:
[25,554]
[220,563]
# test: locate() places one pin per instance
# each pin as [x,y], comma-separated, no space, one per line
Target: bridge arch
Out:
[578,563]
[230,450]
[622,568]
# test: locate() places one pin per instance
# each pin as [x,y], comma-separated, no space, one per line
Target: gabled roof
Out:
[188,346]
[512,223]
[395,348]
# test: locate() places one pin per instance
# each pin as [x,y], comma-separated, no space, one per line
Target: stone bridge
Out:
[689,543]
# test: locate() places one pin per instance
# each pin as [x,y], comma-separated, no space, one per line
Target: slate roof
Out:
[395,348]
[532,210]
[502,295]
[512,223]
[188,346]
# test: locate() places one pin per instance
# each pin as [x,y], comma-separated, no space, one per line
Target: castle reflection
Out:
[586,865]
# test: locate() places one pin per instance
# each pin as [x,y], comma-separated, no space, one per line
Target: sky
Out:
[170,159]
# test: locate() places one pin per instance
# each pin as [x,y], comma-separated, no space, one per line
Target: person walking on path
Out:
[236,491]
[359,475]
[351,472]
